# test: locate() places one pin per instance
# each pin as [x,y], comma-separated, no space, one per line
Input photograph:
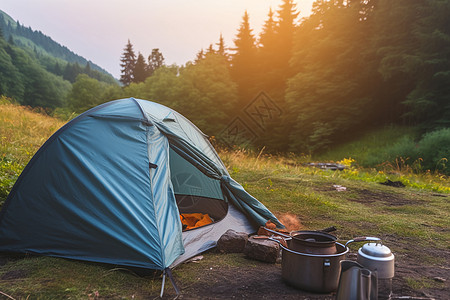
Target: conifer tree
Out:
[221,47]
[267,36]
[210,49]
[128,62]
[88,69]
[155,61]
[267,51]
[283,41]
[140,69]
[200,55]
[243,61]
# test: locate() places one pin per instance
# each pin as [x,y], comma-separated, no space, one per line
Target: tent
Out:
[110,185]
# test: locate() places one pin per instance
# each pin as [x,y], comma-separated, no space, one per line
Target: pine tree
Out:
[155,61]
[87,69]
[140,69]
[267,52]
[128,62]
[200,55]
[210,49]
[57,69]
[221,47]
[243,61]
[287,16]
[283,41]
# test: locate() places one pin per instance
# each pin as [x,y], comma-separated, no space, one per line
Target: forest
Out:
[301,85]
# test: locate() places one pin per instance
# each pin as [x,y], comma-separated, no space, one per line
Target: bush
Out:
[434,149]
[401,154]
[430,153]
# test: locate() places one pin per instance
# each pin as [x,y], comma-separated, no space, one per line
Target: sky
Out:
[98,30]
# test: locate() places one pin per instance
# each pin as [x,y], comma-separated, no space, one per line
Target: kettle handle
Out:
[363,239]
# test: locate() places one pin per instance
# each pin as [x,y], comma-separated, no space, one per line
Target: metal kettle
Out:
[356,282]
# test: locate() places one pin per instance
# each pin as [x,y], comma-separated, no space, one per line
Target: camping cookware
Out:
[312,242]
[379,258]
[317,242]
[315,272]
[312,272]
[356,282]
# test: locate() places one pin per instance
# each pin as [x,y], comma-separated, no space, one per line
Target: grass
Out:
[22,132]
[308,193]
[371,143]
[418,214]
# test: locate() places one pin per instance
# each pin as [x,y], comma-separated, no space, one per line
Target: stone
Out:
[232,242]
[262,249]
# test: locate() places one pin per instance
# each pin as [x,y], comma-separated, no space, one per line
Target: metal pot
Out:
[313,242]
[312,272]
[320,242]
[377,257]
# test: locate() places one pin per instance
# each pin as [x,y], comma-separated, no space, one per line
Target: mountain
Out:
[54,57]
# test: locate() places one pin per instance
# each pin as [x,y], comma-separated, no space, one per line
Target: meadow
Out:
[413,221]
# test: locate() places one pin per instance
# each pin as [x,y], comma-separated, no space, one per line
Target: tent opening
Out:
[199,198]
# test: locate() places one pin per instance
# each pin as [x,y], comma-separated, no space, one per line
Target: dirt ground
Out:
[264,281]
[415,276]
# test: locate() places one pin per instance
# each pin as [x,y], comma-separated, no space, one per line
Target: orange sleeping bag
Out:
[194,220]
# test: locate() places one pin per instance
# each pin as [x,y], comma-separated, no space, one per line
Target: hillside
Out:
[29,38]
[52,55]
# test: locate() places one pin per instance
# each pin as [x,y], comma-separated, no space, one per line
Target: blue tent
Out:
[110,186]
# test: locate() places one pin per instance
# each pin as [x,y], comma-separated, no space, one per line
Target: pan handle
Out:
[280,241]
[277,233]
[363,239]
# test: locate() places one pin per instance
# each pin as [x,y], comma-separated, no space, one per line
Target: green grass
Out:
[22,132]
[370,144]
[417,215]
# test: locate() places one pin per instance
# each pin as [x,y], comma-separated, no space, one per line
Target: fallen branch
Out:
[6,295]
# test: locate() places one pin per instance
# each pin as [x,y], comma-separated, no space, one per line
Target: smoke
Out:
[290,221]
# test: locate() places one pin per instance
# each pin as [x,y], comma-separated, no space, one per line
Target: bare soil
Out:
[416,275]
[264,281]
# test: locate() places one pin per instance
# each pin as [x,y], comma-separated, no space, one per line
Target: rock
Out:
[232,242]
[262,249]
[440,279]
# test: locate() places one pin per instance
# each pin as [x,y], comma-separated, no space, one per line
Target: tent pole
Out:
[163,283]
[169,273]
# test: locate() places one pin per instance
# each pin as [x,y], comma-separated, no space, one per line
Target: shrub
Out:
[430,153]
[434,149]
[400,154]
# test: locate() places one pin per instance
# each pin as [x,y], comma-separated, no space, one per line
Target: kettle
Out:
[378,258]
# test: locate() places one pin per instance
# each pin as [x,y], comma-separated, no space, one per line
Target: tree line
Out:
[350,66]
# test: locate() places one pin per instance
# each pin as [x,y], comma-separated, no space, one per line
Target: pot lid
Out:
[376,250]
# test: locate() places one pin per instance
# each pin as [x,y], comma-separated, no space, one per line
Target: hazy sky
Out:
[99,29]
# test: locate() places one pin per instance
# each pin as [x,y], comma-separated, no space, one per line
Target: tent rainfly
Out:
[110,187]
